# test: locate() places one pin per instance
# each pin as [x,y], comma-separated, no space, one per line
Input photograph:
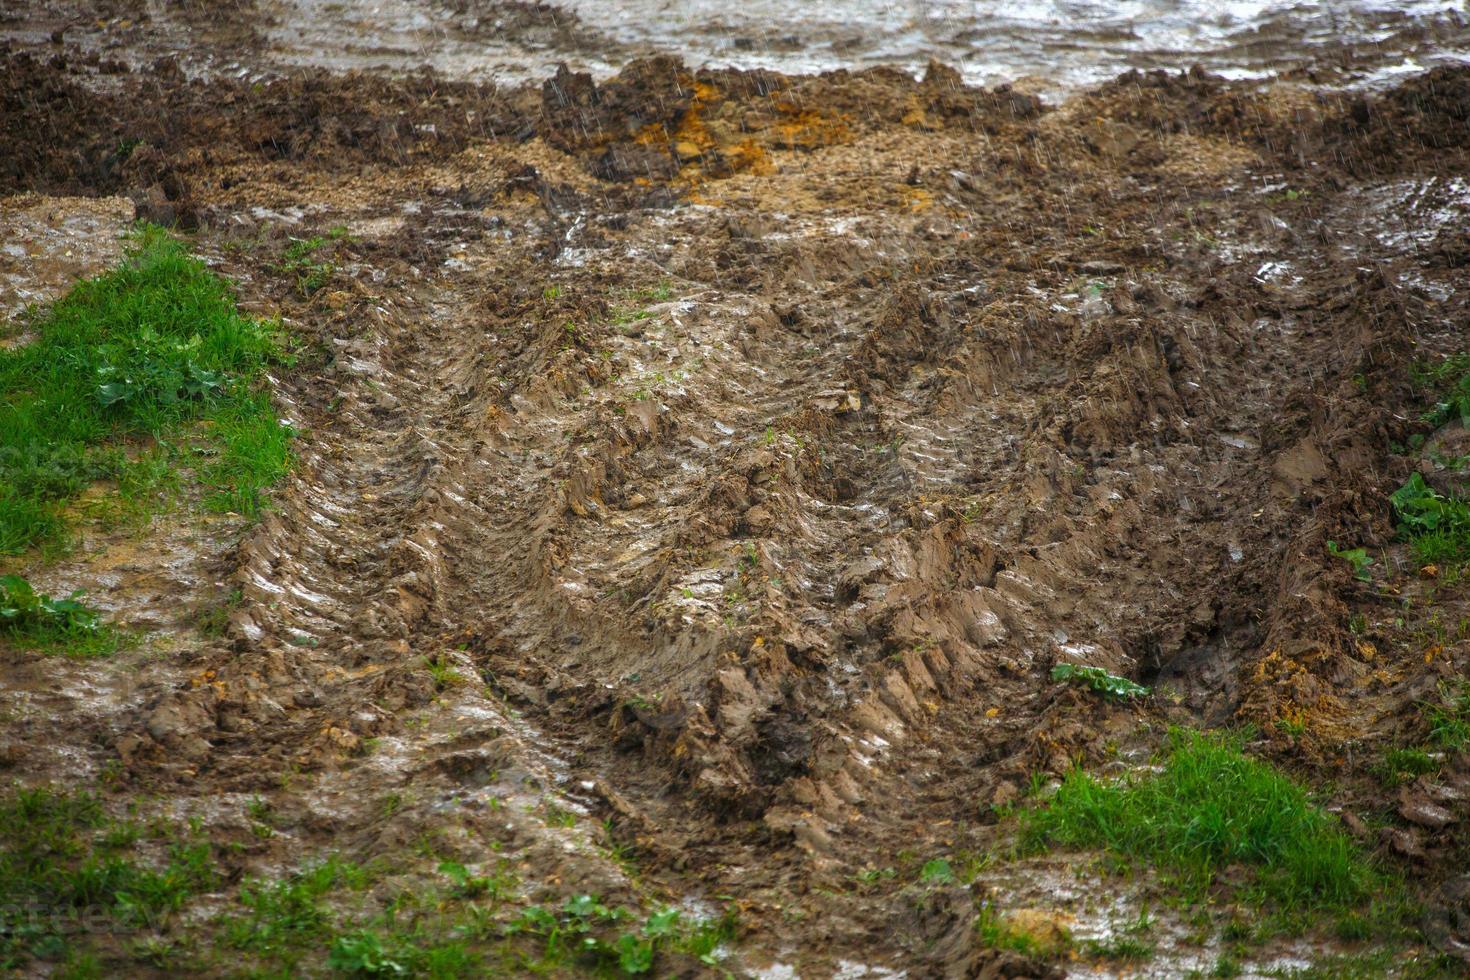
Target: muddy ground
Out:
[749,448]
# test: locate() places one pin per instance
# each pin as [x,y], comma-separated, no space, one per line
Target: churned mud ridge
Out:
[763,442]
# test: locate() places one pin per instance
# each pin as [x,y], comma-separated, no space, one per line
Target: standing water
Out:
[1060,43]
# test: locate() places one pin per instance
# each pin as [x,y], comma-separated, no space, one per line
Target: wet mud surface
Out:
[1055,45]
[748,448]
[52,242]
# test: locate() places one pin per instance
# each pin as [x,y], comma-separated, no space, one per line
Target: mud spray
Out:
[701,470]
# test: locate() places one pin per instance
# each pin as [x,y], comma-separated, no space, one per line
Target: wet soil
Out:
[1055,45]
[750,448]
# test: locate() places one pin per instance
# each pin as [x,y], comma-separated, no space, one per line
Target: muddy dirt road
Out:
[700,473]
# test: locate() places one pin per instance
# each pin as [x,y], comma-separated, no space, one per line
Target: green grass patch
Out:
[64,863]
[1375,964]
[1449,721]
[584,933]
[121,361]
[1211,808]
[1402,765]
[1122,949]
[251,451]
[294,925]
[1447,726]
[1436,526]
[1447,383]
[286,918]
[96,896]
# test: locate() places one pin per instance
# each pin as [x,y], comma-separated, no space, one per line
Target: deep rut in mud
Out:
[726,459]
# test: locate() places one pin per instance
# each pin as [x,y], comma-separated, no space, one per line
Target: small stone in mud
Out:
[837,401]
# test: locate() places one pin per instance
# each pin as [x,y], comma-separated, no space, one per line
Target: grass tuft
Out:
[996,931]
[119,362]
[1209,809]
[580,935]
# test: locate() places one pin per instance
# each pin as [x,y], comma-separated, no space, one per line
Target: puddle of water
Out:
[1068,42]
[500,44]
[1060,44]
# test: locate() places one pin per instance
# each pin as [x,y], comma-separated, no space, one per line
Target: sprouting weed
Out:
[1356,557]
[1098,680]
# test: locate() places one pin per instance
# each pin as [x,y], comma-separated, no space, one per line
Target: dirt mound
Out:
[1437,107]
[656,120]
[352,119]
[1429,112]
[57,136]
[1177,102]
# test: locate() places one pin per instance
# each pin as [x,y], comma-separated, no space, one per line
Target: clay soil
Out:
[749,449]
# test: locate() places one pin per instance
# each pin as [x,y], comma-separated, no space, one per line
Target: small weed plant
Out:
[496,887]
[303,263]
[937,872]
[1356,557]
[1099,680]
[32,620]
[582,933]
[1438,527]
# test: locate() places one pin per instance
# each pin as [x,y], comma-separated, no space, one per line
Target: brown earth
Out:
[762,443]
